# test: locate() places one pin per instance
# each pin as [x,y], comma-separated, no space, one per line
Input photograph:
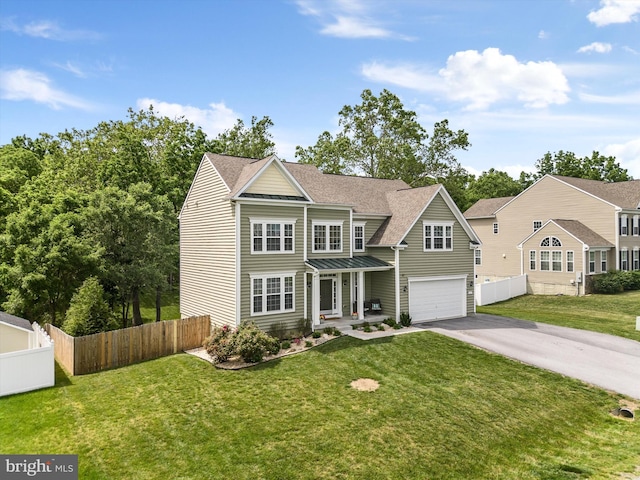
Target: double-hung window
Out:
[556,261]
[532,260]
[570,261]
[358,237]
[495,229]
[636,225]
[624,259]
[636,259]
[327,236]
[624,225]
[592,261]
[272,293]
[603,261]
[537,224]
[544,260]
[272,236]
[477,255]
[438,236]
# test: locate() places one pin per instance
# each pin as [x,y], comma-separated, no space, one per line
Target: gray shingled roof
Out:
[583,233]
[15,321]
[486,207]
[622,194]
[364,262]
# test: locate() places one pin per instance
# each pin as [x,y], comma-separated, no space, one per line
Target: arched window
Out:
[550,242]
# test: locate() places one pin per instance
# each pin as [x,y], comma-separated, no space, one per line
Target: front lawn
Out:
[612,314]
[444,410]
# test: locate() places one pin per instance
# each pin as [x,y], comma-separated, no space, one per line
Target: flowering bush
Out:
[220,345]
[252,344]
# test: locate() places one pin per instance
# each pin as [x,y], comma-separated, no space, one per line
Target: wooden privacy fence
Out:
[117,348]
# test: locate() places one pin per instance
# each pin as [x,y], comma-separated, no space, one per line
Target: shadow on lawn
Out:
[62,377]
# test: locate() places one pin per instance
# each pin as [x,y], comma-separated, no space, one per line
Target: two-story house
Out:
[273,241]
[559,232]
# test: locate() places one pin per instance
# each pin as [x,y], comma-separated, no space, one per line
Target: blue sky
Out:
[521,77]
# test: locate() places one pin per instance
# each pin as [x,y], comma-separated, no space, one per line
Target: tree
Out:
[240,141]
[596,167]
[492,184]
[88,312]
[381,139]
[137,231]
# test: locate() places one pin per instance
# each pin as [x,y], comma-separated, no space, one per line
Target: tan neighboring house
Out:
[275,242]
[559,232]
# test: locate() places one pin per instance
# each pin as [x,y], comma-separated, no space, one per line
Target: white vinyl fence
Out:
[29,369]
[492,292]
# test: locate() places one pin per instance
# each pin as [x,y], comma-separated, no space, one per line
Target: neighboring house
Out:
[276,242]
[559,232]
[26,356]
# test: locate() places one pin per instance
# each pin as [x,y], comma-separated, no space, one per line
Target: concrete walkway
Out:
[607,361]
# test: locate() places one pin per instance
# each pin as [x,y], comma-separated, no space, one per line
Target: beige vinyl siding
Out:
[550,282]
[13,339]
[415,262]
[271,263]
[207,250]
[327,214]
[272,182]
[549,198]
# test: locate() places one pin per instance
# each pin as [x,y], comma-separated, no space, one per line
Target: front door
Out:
[327,289]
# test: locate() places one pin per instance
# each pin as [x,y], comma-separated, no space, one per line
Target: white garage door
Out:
[435,299]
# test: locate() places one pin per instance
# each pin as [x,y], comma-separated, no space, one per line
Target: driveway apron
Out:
[607,361]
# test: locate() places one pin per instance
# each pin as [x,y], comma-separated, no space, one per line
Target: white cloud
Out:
[214,120]
[542,35]
[24,84]
[597,47]
[623,99]
[615,11]
[48,30]
[480,79]
[628,154]
[71,68]
[346,19]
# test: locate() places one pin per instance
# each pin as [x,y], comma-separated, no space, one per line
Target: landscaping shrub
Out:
[278,330]
[616,281]
[286,344]
[380,327]
[304,327]
[316,334]
[405,319]
[252,344]
[220,344]
[308,344]
[88,311]
[390,321]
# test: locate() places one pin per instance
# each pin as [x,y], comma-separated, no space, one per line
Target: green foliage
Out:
[596,167]
[405,319]
[241,141]
[88,311]
[390,321]
[616,281]
[278,330]
[366,328]
[303,327]
[380,328]
[286,344]
[220,344]
[252,344]
[492,184]
[316,334]
[308,343]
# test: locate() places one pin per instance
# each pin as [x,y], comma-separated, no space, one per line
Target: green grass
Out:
[170,306]
[612,314]
[444,410]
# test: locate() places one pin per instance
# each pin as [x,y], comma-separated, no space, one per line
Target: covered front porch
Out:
[348,290]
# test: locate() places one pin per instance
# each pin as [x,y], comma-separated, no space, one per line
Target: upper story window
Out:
[636,225]
[478,256]
[438,236]
[272,236]
[358,237]
[327,236]
[624,225]
[550,242]
[537,224]
[495,228]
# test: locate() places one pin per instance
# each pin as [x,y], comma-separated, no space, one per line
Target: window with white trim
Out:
[327,236]
[636,225]
[624,225]
[636,259]
[537,224]
[532,260]
[477,255]
[438,236]
[272,235]
[570,262]
[358,237]
[272,293]
[544,260]
[556,261]
[592,261]
[495,228]
[624,259]
[603,261]
[550,242]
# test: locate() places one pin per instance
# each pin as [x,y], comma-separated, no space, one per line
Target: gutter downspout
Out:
[397,280]
[238,265]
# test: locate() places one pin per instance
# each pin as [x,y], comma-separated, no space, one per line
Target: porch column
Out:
[315,298]
[361,291]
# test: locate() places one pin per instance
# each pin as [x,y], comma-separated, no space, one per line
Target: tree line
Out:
[88,218]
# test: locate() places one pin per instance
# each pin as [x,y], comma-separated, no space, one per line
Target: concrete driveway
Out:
[610,362]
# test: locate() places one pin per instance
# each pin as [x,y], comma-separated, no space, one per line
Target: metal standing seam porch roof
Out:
[364,262]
